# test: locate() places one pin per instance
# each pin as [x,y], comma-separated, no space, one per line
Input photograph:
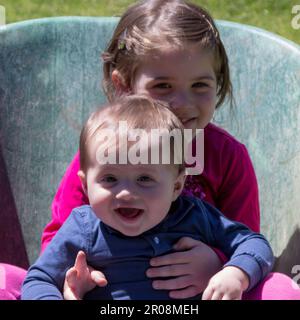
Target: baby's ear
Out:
[82,178]
[119,82]
[179,184]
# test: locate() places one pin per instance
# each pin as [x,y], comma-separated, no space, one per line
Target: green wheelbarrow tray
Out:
[50,81]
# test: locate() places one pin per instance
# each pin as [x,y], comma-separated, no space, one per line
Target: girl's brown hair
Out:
[151,24]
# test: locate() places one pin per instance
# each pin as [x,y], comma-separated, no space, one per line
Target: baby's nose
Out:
[126,194]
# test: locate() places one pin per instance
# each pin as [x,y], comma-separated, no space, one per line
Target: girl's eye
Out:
[200,85]
[163,85]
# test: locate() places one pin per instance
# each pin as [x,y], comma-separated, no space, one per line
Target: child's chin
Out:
[133,233]
[128,233]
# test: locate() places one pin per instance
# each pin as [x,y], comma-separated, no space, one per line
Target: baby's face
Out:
[132,198]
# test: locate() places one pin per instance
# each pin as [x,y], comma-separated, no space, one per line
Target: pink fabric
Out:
[276,286]
[11,279]
[69,196]
[228,181]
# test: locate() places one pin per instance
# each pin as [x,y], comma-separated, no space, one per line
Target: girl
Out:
[171,50]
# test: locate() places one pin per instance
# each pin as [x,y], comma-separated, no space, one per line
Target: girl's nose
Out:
[179,101]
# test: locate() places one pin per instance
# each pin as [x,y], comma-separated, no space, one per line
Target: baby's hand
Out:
[81,278]
[228,284]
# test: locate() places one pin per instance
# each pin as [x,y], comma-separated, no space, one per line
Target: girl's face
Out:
[184,78]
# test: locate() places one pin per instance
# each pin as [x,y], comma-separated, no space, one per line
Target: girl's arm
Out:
[69,196]
[238,196]
[248,251]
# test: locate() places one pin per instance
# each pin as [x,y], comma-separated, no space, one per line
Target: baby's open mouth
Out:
[129,213]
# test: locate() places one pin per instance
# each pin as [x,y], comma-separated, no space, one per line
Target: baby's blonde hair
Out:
[139,112]
[152,24]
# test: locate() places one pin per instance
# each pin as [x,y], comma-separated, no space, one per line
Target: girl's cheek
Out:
[208,100]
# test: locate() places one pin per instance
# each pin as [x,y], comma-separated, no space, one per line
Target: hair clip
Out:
[121,44]
[122,40]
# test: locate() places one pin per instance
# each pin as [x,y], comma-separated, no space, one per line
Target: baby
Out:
[137,212]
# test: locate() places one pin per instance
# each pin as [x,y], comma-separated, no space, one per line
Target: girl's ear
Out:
[119,82]
[82,178]
[179,184]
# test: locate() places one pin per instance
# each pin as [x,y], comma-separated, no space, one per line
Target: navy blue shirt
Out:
[124,260]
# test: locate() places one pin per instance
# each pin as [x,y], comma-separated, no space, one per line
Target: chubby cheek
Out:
[98,198]
[159,201]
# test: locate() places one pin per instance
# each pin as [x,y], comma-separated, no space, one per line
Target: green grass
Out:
[272,15]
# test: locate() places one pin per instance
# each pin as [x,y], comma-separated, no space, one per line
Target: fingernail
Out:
[98,277]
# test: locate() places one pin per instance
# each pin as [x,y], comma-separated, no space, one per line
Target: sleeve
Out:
[45,278]
[238,196]
[69,196]
[247,250]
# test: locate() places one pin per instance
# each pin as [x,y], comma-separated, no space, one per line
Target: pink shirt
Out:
[228,182]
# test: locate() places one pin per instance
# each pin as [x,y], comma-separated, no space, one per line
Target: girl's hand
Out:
[228,284]
[192,267]
[81,278]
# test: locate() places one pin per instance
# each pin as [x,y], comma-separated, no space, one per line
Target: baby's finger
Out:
[217,295]
[207,293]
[71,277]
[99,278]
[70,295]
[70,285]
[232,296]
[80,262]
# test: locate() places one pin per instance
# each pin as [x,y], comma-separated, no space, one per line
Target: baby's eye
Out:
[108,179]
[145,180]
